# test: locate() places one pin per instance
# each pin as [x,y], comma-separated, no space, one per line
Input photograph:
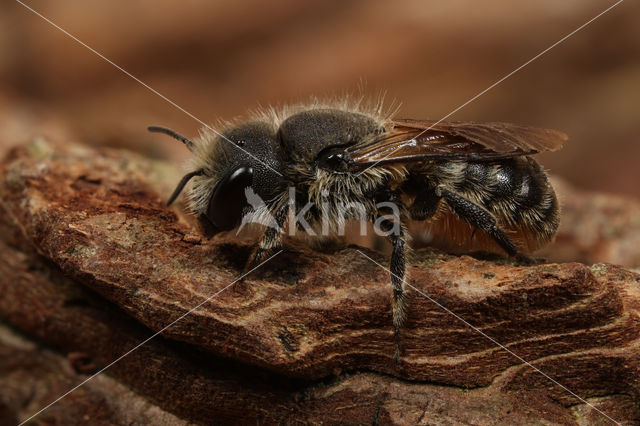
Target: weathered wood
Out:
[94,263]
[32,376]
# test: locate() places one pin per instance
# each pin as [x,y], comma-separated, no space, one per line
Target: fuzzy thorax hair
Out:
[211,152]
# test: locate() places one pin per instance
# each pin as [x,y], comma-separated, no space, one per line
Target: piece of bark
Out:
[205,389]
[309,335]
[32,376]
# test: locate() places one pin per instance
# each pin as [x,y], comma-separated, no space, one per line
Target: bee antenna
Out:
[181,185]
[159,129]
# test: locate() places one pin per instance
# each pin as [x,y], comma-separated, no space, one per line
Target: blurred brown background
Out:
[219,59]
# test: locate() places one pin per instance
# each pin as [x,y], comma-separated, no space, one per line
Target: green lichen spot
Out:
[598,270]
[13,178]
[427,258]
[39,148]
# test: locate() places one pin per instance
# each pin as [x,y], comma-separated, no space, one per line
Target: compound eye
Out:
[228,199]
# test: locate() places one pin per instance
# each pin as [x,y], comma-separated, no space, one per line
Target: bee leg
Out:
[397,279]
[398,238]
[526,260]
[271,239]
[480,218]
[425,205]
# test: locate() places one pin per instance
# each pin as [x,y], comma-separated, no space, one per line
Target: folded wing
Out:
[406,141]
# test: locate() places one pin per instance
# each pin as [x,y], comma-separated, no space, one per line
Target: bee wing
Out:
[419,140]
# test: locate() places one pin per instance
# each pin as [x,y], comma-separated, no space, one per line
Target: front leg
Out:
[271,239]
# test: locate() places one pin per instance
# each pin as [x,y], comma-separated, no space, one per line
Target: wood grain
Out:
[94,263]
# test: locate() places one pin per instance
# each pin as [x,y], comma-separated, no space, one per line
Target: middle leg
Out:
[389,221]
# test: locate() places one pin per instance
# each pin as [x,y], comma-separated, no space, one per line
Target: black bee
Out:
[455,178]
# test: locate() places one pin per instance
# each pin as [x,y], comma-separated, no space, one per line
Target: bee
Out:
[475,184]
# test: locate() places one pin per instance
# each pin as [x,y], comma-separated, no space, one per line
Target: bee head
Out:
[243,161]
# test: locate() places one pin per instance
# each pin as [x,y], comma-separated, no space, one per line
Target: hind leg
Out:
[481,219]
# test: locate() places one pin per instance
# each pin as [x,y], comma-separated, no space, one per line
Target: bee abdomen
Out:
[515,191]
[522,198]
